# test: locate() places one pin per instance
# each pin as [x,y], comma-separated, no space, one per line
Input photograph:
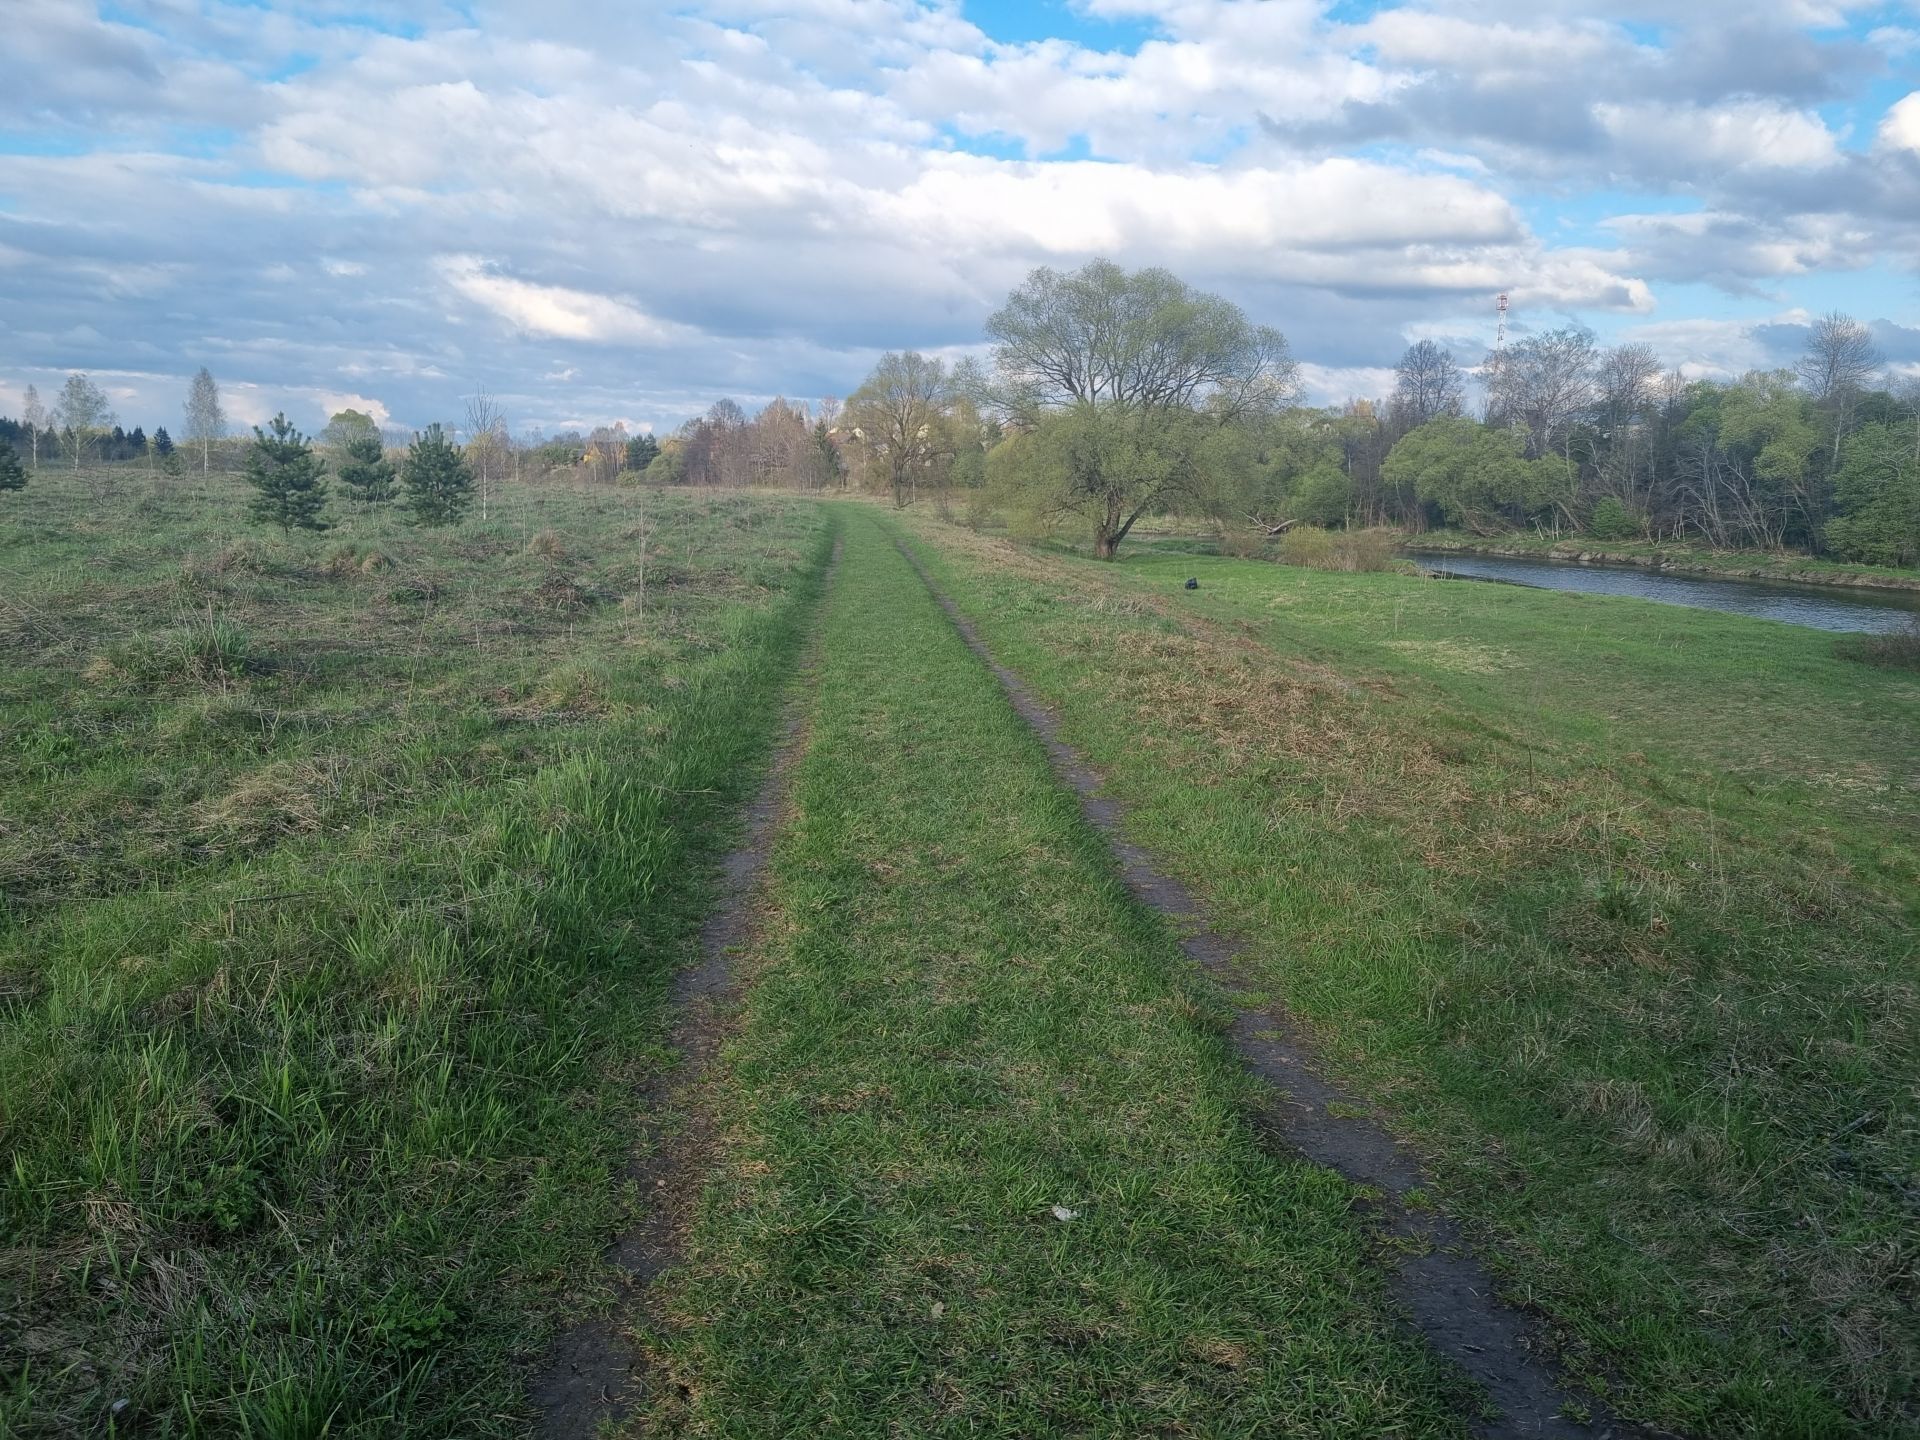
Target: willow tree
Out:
[1121,382]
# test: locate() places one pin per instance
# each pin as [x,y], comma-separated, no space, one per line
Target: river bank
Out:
[1672,559]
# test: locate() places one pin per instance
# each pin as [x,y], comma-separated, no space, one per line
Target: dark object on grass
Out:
[1192,583]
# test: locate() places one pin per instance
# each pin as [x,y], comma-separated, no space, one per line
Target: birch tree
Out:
[206,421]
[486,450]
[34,416]
[83,413]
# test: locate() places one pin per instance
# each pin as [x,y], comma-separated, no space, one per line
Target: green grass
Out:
[340,877]
[1612,904]
[957,1019]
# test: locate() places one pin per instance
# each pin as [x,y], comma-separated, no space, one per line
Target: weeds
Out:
[1350,551]
[1892,650]
[326,978]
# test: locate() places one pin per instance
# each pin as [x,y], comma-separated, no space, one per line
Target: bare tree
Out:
[35,417]
[486,443]
[83,413]
[1427,385]
[206,421]
[1908,394]
[1627,379]
[897,415]
[1839,362]
[1543,383]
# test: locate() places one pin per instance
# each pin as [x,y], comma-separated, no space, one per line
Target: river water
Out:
[1876,611]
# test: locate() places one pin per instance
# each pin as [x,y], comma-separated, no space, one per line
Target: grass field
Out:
[341,877]
[959,1022]
[1612,904]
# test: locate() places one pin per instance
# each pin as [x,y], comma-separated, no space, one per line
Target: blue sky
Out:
[607,210]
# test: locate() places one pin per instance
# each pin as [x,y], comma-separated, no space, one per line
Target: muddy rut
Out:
[593,1374]
[1449,1295]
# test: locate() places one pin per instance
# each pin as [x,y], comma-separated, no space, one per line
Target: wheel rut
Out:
[1447,1292]
[594,1373]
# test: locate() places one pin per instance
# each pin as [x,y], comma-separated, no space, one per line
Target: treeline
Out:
[1573,437]
[1113,394]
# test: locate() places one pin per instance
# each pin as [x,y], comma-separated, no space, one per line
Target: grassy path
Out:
[984,1164]
[1443,1286]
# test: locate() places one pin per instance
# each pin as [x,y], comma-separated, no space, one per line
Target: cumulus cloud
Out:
[554,310]
[396,201]
[1901,128]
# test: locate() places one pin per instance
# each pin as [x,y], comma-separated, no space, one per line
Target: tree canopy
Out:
[1120,380]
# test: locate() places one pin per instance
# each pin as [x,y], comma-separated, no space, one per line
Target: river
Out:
[1875,611]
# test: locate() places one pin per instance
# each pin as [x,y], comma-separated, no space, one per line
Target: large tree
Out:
[345,426]
[288,479]
[1878,492]
[206,421]
[1478,475]
[438,484]
[1839,362]
[640,452]
[1543,383]
[897,418]
[83,415]
[1427,384]
[1119,375]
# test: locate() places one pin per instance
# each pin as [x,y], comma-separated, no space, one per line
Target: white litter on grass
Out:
[1061,1212]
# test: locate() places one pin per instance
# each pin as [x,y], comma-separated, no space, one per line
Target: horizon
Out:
[390,206]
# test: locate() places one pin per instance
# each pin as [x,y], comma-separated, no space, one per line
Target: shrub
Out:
[1343,550]
[1612,520]
[1895,650]
[548,546]
[1307,545]
[1242,544]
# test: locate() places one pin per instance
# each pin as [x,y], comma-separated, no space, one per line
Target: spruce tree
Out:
[13,475]
[438,484]
[365,469]
[287,478]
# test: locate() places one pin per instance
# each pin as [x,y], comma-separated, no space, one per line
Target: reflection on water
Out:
[1877,611]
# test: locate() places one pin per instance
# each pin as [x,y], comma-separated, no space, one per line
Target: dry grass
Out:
[1350,551]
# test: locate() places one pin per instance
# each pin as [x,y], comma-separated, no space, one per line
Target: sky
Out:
[620,210]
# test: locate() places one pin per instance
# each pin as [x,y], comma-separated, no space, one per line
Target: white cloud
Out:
[554,310]
[331,402]
[1901,128]
[771,192]
[1753,134]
